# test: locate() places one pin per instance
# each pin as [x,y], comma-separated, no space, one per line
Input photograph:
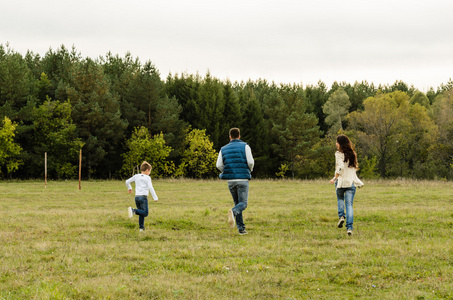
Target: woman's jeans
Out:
[345,196]
[240,192]
[142,210]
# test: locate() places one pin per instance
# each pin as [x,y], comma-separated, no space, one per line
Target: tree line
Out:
[120,112]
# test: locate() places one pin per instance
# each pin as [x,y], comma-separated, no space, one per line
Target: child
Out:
[143,186]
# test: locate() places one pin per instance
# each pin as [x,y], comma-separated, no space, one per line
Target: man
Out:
[236,162]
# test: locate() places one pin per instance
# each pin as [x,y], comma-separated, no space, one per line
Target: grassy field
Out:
[63,243]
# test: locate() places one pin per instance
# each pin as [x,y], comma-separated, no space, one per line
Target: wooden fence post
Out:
[80,169]
[45,170]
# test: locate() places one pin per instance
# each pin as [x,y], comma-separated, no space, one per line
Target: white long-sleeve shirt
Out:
[347,175]
[248,155]
[143,185]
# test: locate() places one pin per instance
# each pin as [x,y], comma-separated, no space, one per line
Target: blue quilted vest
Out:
[235,161]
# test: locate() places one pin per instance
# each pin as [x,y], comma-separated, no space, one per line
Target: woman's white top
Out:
[347,175]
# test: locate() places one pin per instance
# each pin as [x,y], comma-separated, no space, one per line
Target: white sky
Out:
[286,41]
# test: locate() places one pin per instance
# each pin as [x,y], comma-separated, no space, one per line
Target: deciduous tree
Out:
[142,147]
[336,108]
[421,99]
[199,157]
[382,125]
[442,154]
[9,149]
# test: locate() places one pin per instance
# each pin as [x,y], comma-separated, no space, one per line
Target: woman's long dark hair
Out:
[347,149]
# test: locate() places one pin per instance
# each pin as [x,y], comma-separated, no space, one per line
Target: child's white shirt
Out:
[143,185]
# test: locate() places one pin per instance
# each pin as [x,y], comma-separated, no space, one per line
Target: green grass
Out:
[63,243]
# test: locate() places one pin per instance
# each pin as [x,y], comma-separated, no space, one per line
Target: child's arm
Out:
[128,184]
[152,191]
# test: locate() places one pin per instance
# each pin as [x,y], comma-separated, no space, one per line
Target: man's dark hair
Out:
[235,133]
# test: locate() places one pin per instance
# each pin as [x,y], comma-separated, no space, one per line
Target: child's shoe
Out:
[349,232]
[231,219]
[341,222]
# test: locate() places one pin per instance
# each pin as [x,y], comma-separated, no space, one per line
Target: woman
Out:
[345,180]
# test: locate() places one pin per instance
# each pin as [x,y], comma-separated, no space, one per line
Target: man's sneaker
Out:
[349,232]
[341,222]
[231,219]
[130,211]
[242,232]
[141,230]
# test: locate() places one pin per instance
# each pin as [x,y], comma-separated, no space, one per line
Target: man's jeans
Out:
[346,196]
[142,210]
[240,192]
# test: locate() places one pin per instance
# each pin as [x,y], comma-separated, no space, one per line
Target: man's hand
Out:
[129,191]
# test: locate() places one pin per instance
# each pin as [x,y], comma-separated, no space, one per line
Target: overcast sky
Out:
[286,41]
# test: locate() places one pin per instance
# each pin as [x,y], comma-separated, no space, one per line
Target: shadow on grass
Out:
[173,224]
[177,224]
